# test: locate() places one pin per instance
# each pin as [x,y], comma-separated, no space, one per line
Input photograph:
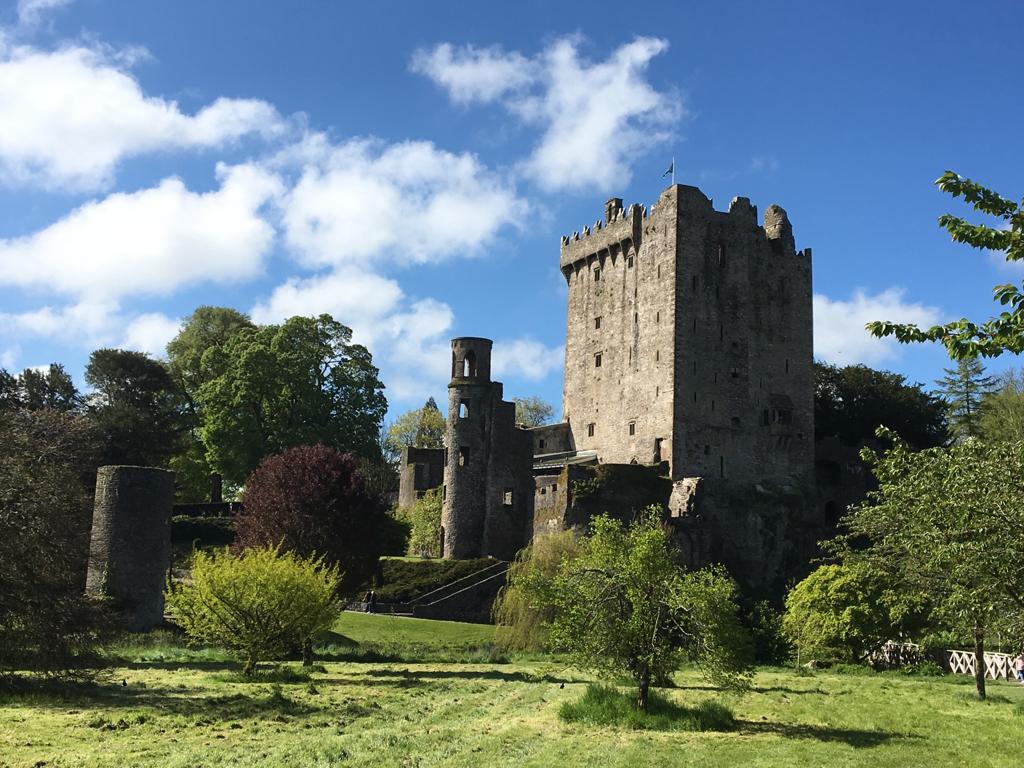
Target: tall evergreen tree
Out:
[963,388]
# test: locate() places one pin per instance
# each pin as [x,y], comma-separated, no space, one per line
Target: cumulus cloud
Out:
[839,334]
[410,202]
[595,117]
[150,333]
[31,11]
[526,359]
[149,242]
[69,116]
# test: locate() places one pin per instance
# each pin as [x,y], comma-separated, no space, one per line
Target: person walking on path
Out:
[1018,664]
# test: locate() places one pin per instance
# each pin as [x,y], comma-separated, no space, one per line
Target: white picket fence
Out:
[998,666]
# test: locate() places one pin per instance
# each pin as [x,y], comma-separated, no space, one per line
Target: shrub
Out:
[605,705]
[47,472]
[258,605]
[313,501]
[524,610]
[425,521]
[771,645]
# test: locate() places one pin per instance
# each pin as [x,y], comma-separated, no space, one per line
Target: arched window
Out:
[469,365]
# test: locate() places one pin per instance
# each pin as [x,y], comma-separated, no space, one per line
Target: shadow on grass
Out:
[605,705]
[152,699]
[850,736]
[468,674]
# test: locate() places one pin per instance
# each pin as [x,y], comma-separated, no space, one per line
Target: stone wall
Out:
[552,438]
[421,469]
[130,548]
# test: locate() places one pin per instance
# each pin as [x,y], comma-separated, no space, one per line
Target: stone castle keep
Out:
[688,382]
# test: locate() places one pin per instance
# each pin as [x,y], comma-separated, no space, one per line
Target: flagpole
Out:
[673,170]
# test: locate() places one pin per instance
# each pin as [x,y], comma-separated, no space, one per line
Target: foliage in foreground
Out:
[524,608]
[258,605]
[1003,332]
[313,501]
[47,467]
[607,705]
[624,605]
[944,524]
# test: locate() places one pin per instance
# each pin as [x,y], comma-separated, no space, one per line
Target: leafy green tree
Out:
[425,522]
[299,383]
[841,613]
[52,389]
[852,402]
[525,608]
[10,397]
[47,473]
[135,405]
[1002,409]
[1003,332]
[260,604]
[420,428]
[533,411]
[963,388]
[943,523]
[192,362]
[625,606]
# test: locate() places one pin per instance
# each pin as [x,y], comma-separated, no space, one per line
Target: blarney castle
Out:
[688,383]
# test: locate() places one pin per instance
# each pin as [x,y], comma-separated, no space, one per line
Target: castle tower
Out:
[488,482]
[689,340]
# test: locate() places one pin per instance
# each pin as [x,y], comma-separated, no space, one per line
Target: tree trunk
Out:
[979,660]
[249,668]
[645,687]
[216,489]
[307,653]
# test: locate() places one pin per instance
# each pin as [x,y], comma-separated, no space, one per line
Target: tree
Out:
[843,613]
[1001,333]
[1002,409]
[47,468]
[312,500]
[425,525]
[10,397]
[533,411]
[963,388]
[300,383]
[51,389]
[942,525]
[524,608]
[420,428]
[136,406]
[852,402]
[191,362]
[624,605]
[259,604]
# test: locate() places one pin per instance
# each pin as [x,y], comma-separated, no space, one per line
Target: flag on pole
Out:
[670,171]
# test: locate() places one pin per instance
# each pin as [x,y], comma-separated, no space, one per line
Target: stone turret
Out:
[130,549]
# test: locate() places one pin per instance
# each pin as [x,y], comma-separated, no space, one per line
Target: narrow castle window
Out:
[463,409]
[590,430]
[469,365]
[632,427]
[540,446]
[695,397]
[444,492]
[506,497]
[657,356]
[597,274]
[657,391]
[734,373]
[787,365]
[721,254]
[597,360]
[712,406]
[597,323]
[629,262]
[695,325]
[721,466]
[659,270]
[464,456]
[636,318]
[657,317]
[721,332]
[716,377]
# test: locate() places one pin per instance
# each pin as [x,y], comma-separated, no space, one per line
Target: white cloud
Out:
[149,242]
[839,334]
[150,333]
[410,203]
[595,117]
[31,11]
[526,358]
[9,357]
[474,74]
[69,116]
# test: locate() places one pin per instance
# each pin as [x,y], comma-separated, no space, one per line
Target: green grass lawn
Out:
[192,708]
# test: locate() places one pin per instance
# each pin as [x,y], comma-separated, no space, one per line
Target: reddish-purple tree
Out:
[313,500]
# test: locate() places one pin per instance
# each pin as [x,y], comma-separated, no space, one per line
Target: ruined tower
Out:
[689,340]
[488,483]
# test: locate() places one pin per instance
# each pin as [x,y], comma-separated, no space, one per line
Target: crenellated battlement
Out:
[620,232]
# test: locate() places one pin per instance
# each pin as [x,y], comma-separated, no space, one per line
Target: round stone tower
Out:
[130,550]
[468,437]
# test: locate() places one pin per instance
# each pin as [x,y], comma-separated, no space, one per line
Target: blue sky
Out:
[409,167]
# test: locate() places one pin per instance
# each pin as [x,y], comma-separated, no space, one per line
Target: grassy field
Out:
[169,706]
